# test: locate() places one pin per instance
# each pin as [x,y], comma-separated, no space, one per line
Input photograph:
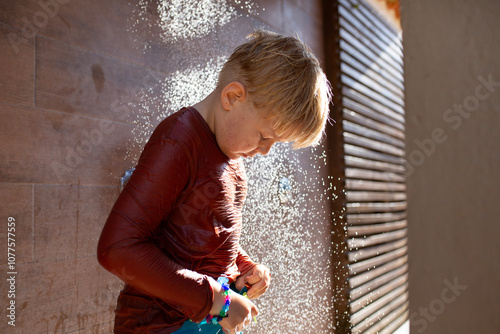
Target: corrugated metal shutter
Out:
[371,102]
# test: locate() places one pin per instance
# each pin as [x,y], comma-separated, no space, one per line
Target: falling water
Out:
[285,218]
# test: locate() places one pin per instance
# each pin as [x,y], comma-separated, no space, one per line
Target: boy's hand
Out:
[240,315]
[258,278]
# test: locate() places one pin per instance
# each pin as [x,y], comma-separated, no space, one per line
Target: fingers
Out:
[257,289]
[255,277]
[241,313]
[240,327]
[240,282]
[260,280]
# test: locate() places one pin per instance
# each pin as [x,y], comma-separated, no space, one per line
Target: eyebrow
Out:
[272,134]
[275,137]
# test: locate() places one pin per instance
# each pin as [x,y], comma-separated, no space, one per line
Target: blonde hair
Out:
[284,78]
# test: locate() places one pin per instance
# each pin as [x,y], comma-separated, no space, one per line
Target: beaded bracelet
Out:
[223,281]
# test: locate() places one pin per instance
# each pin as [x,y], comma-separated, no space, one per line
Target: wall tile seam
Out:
[34,70]
[79,330]
[17,183]
[33,223]
[103,55]
[33,44]
[39,184]
[9,26]
[63,259]
[78,184]
[79,114]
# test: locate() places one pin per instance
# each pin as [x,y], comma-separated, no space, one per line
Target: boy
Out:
[175,227]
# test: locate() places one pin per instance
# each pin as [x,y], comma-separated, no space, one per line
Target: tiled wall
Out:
[71,77]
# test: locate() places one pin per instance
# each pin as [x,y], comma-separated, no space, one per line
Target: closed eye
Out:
[262,137]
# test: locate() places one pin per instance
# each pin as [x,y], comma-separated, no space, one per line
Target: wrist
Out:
[218,300]
[221,299]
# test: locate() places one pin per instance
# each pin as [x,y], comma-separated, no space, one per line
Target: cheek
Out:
[240,143]
[238,138]
[233,141]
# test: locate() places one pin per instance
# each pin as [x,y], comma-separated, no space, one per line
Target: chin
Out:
[234,156]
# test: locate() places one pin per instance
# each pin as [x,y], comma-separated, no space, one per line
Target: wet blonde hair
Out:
[283,78]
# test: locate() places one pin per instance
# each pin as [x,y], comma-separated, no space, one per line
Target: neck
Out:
[207,108]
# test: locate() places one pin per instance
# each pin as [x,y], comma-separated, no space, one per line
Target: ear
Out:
[231,93]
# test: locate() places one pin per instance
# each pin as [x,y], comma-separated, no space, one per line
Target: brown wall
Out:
[79,94]
[451,47]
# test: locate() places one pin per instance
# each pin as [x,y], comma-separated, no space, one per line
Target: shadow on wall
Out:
[83,88]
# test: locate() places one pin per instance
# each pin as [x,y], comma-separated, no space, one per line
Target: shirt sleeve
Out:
[244,262]
[126,247]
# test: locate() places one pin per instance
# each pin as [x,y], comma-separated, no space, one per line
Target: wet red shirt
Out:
[177,221]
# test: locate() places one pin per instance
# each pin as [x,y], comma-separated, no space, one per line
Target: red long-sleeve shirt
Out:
[177,221]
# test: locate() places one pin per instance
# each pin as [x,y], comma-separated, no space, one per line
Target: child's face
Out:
[245,132]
